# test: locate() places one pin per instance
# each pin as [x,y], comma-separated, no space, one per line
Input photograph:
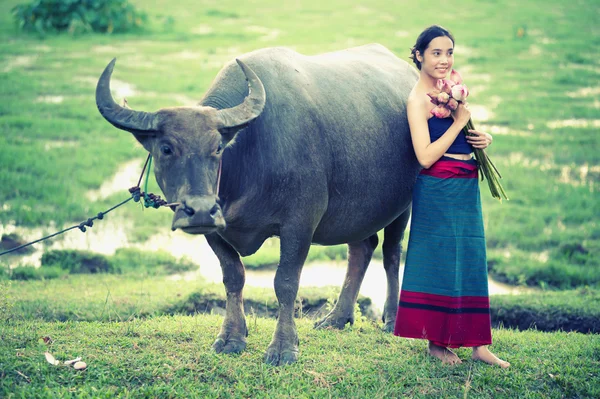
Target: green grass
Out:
[109,297]
[526,81]
[52,153]
[171,357]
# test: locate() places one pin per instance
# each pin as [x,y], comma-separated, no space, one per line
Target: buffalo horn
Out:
[252,105]
[123,118]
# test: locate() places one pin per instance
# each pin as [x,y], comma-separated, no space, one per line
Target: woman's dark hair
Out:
[425,38]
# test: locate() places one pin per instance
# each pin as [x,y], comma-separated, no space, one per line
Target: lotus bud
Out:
[452,104]
[443,98]
[460,92]
[434,96]
[439,84]
[440,112]
[455,77]
[447,86]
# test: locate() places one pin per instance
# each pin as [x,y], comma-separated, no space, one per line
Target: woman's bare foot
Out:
[444,354]
[483,353]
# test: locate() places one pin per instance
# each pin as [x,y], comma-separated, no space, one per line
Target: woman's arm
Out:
[427,152]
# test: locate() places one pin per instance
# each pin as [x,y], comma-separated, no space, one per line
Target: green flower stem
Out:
[487,167]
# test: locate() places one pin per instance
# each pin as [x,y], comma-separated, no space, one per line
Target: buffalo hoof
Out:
[331,321]
[229,346]
[389,327]
[275,358]
[389,323]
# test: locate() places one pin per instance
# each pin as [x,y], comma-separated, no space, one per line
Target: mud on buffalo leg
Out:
[232,337]
[359,256]
[294,246]
[392,250]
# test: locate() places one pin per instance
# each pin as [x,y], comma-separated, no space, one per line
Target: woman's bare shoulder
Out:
[418,100]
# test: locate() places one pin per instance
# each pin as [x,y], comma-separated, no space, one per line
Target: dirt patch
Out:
[50,145]
[576,123]
[269,34]
[202,30]
[18,62]
[127,176]
[50,99]
[313,308]
[584,92]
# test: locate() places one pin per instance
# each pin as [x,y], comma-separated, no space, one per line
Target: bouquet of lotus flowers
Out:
[449,93]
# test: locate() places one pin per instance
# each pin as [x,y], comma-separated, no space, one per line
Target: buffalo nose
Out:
[187,210]
[198,214]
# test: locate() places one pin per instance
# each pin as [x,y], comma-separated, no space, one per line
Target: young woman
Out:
[444,297]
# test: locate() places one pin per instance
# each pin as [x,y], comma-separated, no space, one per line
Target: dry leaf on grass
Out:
[47,340]
[70,362]
[79,366]
[51,359]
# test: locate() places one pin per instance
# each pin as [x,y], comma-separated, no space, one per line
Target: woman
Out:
[444,296]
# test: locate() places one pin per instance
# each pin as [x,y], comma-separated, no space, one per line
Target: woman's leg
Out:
[483,353]
[444,354]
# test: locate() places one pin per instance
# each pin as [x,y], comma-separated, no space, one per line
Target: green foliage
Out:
[42,273]
[567,266]
[78,16]
[134,261]
[574,310]
[78,262]
[125,261]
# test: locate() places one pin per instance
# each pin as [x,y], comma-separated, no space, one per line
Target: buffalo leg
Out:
[359,256]
[392,250]
[232,337]
[283,348]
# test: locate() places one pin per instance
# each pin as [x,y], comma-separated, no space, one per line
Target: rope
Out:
[150,201]
[80,226]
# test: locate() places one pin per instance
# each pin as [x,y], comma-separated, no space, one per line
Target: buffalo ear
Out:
[146,140]
[228,134]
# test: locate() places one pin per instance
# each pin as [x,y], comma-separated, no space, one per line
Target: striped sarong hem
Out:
[444,296]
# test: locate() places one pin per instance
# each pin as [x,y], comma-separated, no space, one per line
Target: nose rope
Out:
[150,201]
[219,176]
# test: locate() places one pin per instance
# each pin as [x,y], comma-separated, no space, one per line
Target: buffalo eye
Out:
[220,148]
[166,150]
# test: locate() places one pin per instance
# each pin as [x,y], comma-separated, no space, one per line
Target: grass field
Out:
[171,357]
[533,71]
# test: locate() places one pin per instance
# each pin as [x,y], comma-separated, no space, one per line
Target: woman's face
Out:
[438,58]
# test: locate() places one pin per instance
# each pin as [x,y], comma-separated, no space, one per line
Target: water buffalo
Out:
[313,149]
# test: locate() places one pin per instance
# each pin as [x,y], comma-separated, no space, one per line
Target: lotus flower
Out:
[460,92]
[455,77]
[440,112]
[452,104]
[447,86]
[443,98]
[447,95]
[434,96]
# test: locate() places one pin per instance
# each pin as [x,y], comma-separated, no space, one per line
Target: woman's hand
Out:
[480,140]
[462,114]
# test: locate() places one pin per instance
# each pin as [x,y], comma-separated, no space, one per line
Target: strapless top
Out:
[438,126]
